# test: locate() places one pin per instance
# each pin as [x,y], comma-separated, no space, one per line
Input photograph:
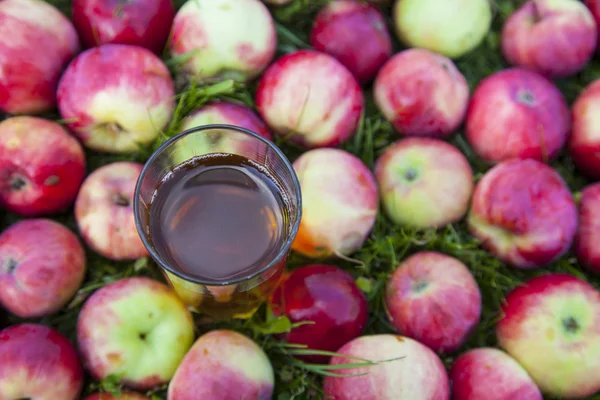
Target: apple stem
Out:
[570,325]
[420,286]
[120,200]
[526,97]
[114,128]
[410,174]
[10,265]
[17,183]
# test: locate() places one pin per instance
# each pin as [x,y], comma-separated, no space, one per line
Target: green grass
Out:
[386,246]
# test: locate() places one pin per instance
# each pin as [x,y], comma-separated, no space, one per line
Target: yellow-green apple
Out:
[523,212]
[424,182]
[452,28]
[586,246]
[433,298]
[120,111]
[104,211]
[421,93]
[551,326]
[223,365]
[487,373]
[339,203]
[584,141]
[38,362]
[38,41]
[394,377]
[124,395]
[141,22]
[137,329]
[240,52]
[517,113]
[555,38]
[41,166]
[356,34]
[310,98]
[42,265]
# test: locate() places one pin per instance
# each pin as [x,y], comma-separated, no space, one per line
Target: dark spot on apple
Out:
[17,183]
[399,338]
[9,265]
[120,200]
[525,97]
[410,174]
[445,66]
[570,325]
[52,180]
[142,336]
[24,398]
[419,286]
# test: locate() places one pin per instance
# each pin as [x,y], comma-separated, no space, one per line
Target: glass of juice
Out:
[218,207]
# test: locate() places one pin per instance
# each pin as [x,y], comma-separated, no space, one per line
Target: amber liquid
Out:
[218,218]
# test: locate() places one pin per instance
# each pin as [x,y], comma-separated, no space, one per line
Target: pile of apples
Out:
[103,72]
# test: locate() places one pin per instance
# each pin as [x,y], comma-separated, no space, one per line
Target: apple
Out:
[551,326]
[120,111]
[136,328]
[38,41]
[240,52]
[523,212]
[424,182]
[104,211]
[421,93]
[328,299]
[38,362]
[42,265]
[451,28]
[125,395]
[584,142]
[517,113]
[223,365]
[142,23]
[41,166]
[354,33]
[339,203]
[594,7]
[488,373]
[405,370]
[310,98]
[556,38]
[588,234]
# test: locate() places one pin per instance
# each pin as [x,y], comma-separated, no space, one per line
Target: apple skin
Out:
[42,265]
[38,41]
[587,238]
[125,395]
[487,373]
[433,298]
[451,28]
[120,111]
[556,38]
[423,378]
[424,182]
[354,33]
[311,98]
[339,203]
[104,211]
[141,23]
[328,297]
[41,166]
[523,213]
[223,365]
[594,7]
[421,93]
[136,328]
[240,53]
[517,113]
[38,362]
[551,326]
[584,142]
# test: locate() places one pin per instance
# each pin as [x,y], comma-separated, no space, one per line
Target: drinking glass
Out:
[233,298]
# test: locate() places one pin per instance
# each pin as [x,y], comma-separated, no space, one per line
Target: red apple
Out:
[41,166]
[584,143]
[116,97]
[38,362]
[326,296]
[433,298]
[125,395]
[141,22]
[421,93]
[356,34]
[104,211]
[551,326]
[310,98]
[594,7]
[487,373]
[556,38]
[223,365]
[424,377]
[42,265]
[517,113]
[37,43]
[586,246]
[523,212]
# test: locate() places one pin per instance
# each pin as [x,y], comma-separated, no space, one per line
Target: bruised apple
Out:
[586,246]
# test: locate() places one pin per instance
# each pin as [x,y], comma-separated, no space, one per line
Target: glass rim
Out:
[286,246]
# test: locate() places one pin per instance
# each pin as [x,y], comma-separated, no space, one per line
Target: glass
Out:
[233,298]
